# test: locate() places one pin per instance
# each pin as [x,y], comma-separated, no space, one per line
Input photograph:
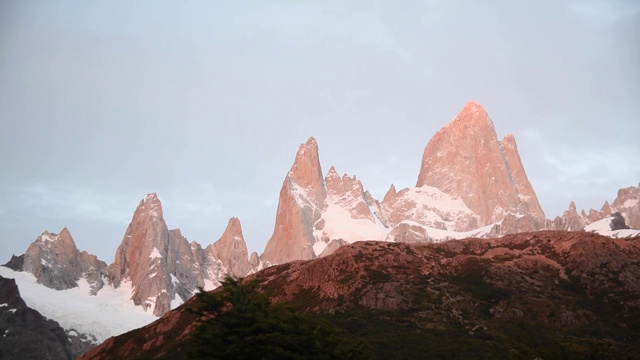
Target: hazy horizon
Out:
[206,103]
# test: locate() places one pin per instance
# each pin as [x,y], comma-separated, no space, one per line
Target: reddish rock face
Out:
[164,268]
[142,255]
[299,207]
[231,249]
[570,220]
[306,172]
[348,193]
[534,269]
[627,203]
[528,200]
[465,160]
[57,263]
[313,212]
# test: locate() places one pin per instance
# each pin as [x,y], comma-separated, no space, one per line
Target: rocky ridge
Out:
[162,268]
[466,160]
[316,214]
[627,204]
[57,263]
[574,292]
[470,184]
[26,334]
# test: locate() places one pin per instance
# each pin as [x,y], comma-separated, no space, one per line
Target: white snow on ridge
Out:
[107,314]
[603,227]
[430,207]
[340,225]
[45,237]
[319,246]
[155,254]
[301,195]
[174,281]
[177,301]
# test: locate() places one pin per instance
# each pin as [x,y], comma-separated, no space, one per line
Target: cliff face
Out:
[627,204]
[471,184]
[57,263]
[231,249]
[465,160]
[141,258]
[163,268]
[299,208]
[316,214]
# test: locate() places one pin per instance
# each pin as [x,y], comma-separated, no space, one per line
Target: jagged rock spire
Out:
[299,207]
[231,249]
[466,160]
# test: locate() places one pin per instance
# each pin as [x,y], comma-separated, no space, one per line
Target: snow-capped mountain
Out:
[612,226]
[466,160]
[164,269]
[155,269]
[470,184]
[57,263]
[627,203]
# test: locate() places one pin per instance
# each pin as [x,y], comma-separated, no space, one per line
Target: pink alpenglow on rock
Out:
[465,160]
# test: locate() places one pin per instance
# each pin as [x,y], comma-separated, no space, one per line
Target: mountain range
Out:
[470,184]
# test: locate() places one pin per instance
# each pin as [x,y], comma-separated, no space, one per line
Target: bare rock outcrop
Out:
[163,269]
[57,263]
[528,200]
[347,192]
[300,206]
[160,265]
[465,160]
[626,204]
[231,249]
[314,211]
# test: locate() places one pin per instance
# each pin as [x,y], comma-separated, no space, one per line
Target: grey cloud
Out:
[66,201]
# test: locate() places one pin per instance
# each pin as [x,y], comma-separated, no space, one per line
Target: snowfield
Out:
[107,314]
[603,227]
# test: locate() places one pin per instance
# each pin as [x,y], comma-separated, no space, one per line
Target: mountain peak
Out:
[472,113]
[152,196]
[233,226]
[65,234]
[390,193]
[57,263]
[473,106]
[306,171]
[231,249]
[572,206]
[302,194]
[465,160]
[151,206]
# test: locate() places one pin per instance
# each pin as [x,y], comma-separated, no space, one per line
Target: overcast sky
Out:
[206,103]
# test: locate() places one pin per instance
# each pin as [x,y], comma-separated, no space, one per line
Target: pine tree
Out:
[240,322]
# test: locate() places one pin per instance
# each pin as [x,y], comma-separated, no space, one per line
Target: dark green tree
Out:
[240,322]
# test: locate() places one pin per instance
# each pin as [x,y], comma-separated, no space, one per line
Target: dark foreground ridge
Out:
[26,334]
[550,294]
